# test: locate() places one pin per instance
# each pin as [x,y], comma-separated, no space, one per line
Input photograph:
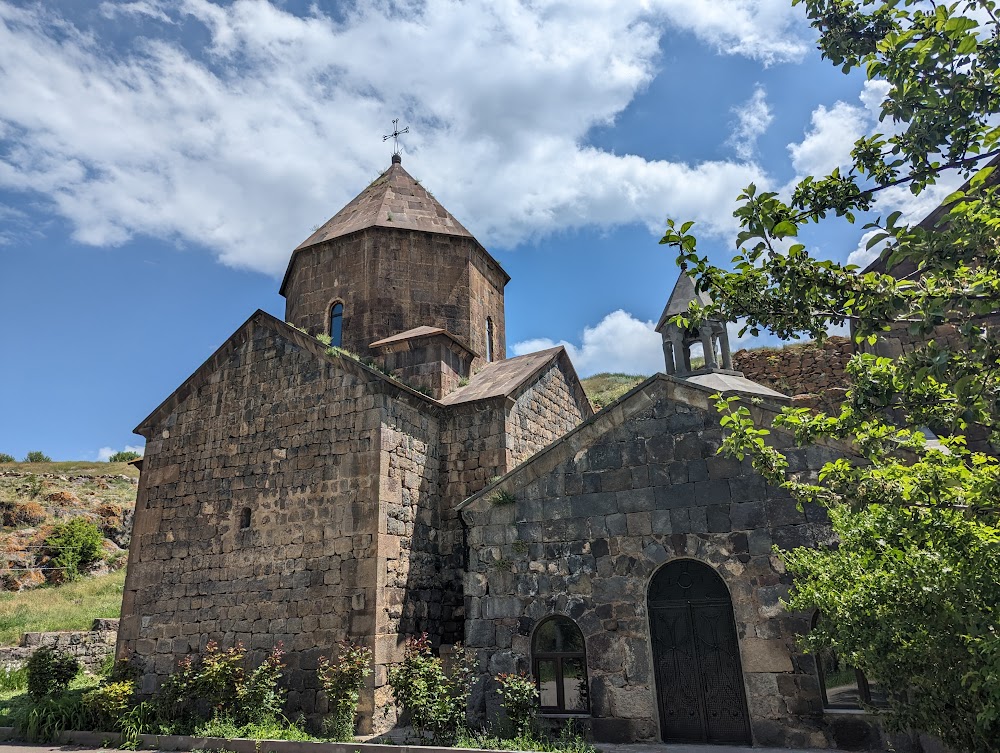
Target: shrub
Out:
[519,699]
[216,685]
[124,456]
[74,545]
[5,458]
[15,514]
[37,456]
[435,700]
[107,704]
[50,672]
[44,720]
[32,486]
[342,683]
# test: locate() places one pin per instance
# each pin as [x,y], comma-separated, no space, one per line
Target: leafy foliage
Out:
[37,456]
[74,545]
[216,685]
[108,703]
[435,700]
[519,699]
[5,458]
[910,595]
[50,672]
[342,683]
[124,456]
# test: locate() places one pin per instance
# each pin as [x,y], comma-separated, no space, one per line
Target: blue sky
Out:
[160,160]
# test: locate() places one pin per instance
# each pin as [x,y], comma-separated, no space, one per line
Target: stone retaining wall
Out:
[90,647]
[811,373]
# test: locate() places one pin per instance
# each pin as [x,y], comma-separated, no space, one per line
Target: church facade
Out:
[410,478]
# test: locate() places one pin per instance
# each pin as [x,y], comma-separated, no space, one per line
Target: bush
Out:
[44,720]
[5,458]
[216,686]
[124,456]
[107,704]
[50,672]
[74,545]
[37,456]
[435,700]
[519,699]
[342,683]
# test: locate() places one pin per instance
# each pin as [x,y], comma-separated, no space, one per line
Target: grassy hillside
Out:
[604,389]
[35,498]
[72,606]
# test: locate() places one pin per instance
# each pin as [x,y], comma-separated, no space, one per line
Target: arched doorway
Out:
[696,656]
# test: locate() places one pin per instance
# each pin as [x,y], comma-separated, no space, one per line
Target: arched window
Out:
[844,686]
[337,324]
[560,666]
[244,518]
[489,339]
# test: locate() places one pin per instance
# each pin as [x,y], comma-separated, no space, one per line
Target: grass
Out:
[604,389]
[72,606]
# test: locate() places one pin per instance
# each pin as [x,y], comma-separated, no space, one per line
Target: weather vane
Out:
[396,133]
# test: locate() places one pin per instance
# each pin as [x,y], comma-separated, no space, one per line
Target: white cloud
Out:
[752,120]
[104,454]
[246,143]
[618,343]
[829,142]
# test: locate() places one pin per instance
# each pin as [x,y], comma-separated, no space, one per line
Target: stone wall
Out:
[814,375]
[545,411]
[595,517]
[299,455]
[90,647]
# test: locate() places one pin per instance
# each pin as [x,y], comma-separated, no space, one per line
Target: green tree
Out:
[124,456]
[911,595]
[37,456]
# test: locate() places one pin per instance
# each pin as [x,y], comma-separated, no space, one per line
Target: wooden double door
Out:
[696,655]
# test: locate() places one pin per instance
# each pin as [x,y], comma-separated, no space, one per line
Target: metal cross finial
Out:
[396,133]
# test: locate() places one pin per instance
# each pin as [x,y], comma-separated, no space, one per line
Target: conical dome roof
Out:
[393,200]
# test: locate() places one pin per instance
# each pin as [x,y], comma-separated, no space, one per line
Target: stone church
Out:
[412,478]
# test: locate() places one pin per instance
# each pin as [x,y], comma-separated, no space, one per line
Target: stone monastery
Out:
[414,479]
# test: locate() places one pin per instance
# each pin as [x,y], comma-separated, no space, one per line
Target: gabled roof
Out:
[203,374]
[638,399]
[683,293]
[503,378]
[418,333]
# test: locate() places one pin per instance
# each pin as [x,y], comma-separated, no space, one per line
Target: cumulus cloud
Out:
[753,118]
[829,141]
[244,136]
[618,343]
[104,454]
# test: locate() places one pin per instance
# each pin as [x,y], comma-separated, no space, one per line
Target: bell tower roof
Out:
[683,293]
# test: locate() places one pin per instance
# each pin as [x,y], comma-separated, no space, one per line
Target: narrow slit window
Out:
[245,518]
[489,339]
[337,324]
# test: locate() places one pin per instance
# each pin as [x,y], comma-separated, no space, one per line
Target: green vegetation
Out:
[73,546]
[50,672]
[5,458]
[604,389]
[72,606]
[342,682]
[73,468]
[37,456]
[911,595]
[124,456]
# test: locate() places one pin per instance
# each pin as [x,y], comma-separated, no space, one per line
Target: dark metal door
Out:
[696,656]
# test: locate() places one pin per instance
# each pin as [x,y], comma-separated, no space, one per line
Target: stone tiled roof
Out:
[682,294]
[394,200]
[502,378]
[417,333]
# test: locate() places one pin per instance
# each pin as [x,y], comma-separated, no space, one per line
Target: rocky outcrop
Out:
[812,373]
